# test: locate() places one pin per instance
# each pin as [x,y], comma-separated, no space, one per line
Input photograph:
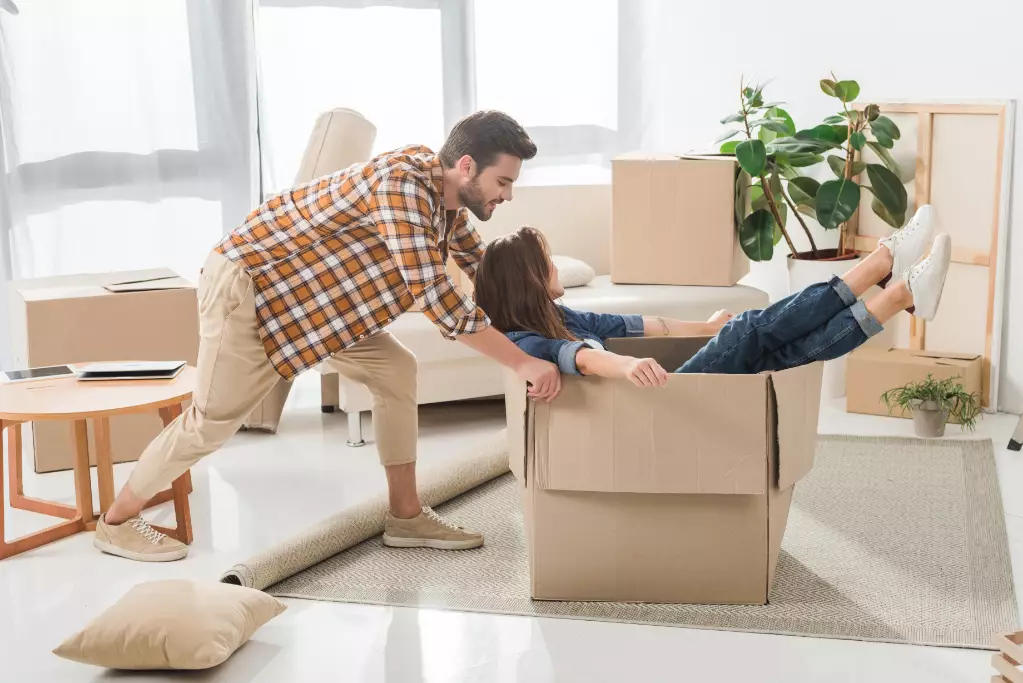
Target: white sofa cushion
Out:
[573,272]
[669,301]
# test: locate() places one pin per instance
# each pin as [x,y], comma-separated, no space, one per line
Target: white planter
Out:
[802,274]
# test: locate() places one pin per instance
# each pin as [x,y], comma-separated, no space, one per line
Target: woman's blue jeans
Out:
[822,322]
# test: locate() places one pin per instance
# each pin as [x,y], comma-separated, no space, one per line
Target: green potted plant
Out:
[773,152]
[932,402]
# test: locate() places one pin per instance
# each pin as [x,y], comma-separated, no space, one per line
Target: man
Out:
[317,273]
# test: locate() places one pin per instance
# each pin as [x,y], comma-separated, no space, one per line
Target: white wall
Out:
[907,50]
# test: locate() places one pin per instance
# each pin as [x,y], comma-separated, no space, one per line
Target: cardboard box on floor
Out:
[136,315]
[871,371]
[677,494]
[674,220]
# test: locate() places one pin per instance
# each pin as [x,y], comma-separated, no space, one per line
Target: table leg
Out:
[16,485]
[14,458]
[29,541]
[179,491]
[3,521]
[83,476]
[104,463]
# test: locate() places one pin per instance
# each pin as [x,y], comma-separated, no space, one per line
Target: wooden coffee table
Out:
[75,401]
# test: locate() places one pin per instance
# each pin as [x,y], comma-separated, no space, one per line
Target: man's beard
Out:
[472,198]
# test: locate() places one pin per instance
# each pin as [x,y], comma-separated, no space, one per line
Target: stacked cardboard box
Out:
[674,220]
[139,315]
[872,371]
[676,494]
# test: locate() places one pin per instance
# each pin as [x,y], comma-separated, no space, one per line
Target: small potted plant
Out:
[932,402]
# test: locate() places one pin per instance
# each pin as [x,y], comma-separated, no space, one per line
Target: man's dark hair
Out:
[484,136]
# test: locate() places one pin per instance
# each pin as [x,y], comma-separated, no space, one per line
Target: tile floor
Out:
[261,489]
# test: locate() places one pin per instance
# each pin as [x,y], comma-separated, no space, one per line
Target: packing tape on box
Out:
[479,464]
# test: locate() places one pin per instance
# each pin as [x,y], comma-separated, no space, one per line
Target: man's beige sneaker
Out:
[136,540]
[428,530]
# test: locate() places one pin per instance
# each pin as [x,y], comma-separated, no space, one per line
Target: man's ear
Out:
[466,167]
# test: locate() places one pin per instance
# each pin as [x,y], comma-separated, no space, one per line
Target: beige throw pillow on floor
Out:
[172,625]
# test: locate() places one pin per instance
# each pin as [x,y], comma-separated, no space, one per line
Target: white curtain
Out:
[127,132]
[132,135]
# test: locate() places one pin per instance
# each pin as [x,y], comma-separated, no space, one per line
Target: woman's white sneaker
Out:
[926,280]
[909,244]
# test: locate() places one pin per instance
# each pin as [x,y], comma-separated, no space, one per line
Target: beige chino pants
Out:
[234,375]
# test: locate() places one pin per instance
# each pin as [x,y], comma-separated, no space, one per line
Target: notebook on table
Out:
[132,370]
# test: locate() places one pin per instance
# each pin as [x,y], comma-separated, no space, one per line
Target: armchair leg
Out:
[355,439]
[330,392]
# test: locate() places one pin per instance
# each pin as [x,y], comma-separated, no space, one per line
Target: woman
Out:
[517,285]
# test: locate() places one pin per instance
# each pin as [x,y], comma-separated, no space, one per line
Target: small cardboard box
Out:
[674,220]
[871,371]
[671,495]
[137,315]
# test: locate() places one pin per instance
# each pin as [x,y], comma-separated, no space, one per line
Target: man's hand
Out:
[544,378]
[718,320]
[646,372]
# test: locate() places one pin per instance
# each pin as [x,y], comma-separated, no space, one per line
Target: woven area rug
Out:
[898,540]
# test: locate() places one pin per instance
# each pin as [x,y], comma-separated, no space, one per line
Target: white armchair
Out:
[340,138]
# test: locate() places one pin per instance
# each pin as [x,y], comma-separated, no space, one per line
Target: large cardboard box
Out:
[674,220]
[675,495]
[137,315]
[871,371]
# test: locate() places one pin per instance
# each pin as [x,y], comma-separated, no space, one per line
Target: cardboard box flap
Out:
[921,356]
[91,279]
[98,284]
[943,355]
[693,436]
[667,156]
[797,397]
[149,284]
[516,406]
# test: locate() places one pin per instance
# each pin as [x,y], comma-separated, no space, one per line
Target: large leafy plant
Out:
[773,152]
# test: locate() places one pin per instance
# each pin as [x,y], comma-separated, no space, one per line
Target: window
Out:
[553,65]
[548,63]
[384,62]
[126,145]
[414,67]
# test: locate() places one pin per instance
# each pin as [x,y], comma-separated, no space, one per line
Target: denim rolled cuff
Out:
[633,325]
[867,322]
[843,291]
[566,358]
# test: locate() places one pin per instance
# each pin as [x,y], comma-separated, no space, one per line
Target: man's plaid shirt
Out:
[334,261]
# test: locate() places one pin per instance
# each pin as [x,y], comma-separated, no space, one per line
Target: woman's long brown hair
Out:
[512,286]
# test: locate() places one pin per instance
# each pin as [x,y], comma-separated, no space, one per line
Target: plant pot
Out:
[929,419]
[804,272]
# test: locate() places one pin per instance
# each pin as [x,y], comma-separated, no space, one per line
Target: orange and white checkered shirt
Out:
[336,260]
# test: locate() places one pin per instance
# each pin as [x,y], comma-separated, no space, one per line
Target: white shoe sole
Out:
[111,549]
[399,542]
[928,313]
[932,310]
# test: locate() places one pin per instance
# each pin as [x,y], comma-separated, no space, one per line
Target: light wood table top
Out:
[67,398]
